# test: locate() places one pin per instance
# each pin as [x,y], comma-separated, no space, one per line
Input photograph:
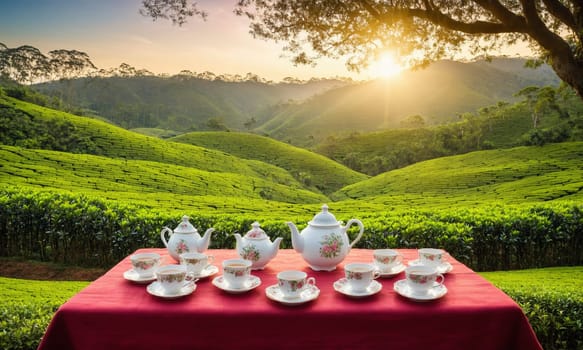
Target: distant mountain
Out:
[302,113]
[438,93]
[181,102]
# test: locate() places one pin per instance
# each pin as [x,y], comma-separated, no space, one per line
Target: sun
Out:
[385,66]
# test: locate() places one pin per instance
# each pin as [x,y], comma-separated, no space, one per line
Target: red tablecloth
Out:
[112,313]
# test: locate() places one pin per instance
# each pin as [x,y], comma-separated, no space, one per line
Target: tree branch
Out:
[561,12]
[502,13]
[438,18]
[539,32]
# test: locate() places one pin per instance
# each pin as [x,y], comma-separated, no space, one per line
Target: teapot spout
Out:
[275,246]
[297,239]
[205,240]
[239,240]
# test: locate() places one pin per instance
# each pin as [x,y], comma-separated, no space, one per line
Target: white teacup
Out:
[236,272]
[431,256]
[145,264]
[386,259]
[360,275]
[196,262]
[422,278]
[171,278]
[291,283]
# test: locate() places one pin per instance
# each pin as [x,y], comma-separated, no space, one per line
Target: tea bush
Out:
[552,299]
[26,309]
[23,325]
[82,230]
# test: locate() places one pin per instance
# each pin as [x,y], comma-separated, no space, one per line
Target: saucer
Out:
[445,267]
[342,286]
[155,289]
[310,293]
[206,272]
[252,283]
[132,275]
[395,270]
[403,289]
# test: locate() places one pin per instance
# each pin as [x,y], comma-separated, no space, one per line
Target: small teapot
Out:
[324,243]
[185,238]
[257,247]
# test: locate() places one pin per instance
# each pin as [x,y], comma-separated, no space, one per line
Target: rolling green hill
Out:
[313,170]
[509,176]
[127,166]
[30,124]
[136,180]
[249,155]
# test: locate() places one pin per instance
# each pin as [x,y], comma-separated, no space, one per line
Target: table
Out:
[113,313]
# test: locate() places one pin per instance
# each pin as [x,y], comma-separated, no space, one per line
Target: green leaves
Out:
[552,300]
[84,230]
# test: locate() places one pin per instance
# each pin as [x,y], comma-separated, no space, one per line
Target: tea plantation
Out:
[89,193]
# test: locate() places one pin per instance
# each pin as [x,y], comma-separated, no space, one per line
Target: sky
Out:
[112,32]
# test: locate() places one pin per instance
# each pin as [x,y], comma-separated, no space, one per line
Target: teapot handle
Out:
[164,230]
[359,223]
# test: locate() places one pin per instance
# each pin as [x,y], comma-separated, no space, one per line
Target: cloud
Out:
[139,39]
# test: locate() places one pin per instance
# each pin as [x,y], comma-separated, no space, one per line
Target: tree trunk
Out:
[570,71]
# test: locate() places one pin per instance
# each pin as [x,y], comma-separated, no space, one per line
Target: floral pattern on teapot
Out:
[250,252]
[331,245]
[181,247]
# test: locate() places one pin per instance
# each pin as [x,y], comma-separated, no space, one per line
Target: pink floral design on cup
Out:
[359,276]
[236,272]
[431,256]
[291,283]
[353,275]
[421,279]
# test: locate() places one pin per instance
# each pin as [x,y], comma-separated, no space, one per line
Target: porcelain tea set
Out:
[323,244]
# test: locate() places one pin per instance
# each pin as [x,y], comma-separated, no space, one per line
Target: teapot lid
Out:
[185,226]
[256,232]
[324,218]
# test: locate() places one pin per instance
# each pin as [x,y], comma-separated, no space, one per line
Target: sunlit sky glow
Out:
[112,32]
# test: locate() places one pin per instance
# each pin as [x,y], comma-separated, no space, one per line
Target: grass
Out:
[551,280]
[22,291]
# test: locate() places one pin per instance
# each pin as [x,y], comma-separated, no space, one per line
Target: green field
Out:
[512,176]
[88,192]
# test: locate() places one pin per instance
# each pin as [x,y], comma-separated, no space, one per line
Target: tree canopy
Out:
[419,31]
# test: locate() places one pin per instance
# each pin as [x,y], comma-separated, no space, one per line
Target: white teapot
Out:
[324,243]
[257,247]
[185,238]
